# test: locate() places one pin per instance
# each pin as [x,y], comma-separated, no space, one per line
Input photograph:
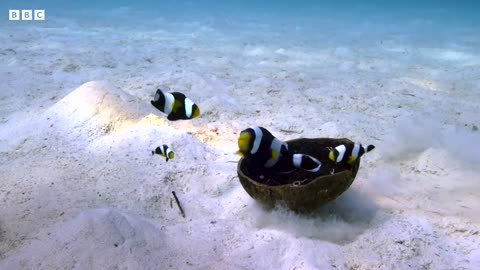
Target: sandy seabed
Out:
[80,189]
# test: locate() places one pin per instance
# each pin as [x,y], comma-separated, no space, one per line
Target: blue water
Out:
[424,21]
[179,33]
[441,11]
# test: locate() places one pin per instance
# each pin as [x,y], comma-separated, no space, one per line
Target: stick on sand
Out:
[178,203]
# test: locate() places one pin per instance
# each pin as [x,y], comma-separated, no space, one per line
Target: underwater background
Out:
[79,187]
[320,34]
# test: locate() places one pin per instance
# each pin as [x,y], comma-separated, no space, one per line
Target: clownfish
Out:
[259,145]
[348,153]
[176,105]
[164,151]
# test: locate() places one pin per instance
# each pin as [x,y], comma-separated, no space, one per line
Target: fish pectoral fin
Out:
[274,154]
[351,159]
[239,153]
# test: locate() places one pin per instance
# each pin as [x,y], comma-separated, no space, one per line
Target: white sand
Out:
[80,189]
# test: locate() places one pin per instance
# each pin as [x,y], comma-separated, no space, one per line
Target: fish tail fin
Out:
[369,148]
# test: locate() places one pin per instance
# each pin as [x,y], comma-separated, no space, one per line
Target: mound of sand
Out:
[96,108]
[93,240]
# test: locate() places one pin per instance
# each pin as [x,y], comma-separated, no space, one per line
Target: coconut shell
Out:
[301,191]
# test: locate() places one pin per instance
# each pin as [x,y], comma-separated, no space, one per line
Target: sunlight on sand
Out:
[209,134]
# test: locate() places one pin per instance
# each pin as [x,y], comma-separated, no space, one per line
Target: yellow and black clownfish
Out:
[164,151]
[262,148]
[176,105]
[259,145]
[348,153]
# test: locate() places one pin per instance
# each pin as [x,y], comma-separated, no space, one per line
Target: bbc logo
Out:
[26,15]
